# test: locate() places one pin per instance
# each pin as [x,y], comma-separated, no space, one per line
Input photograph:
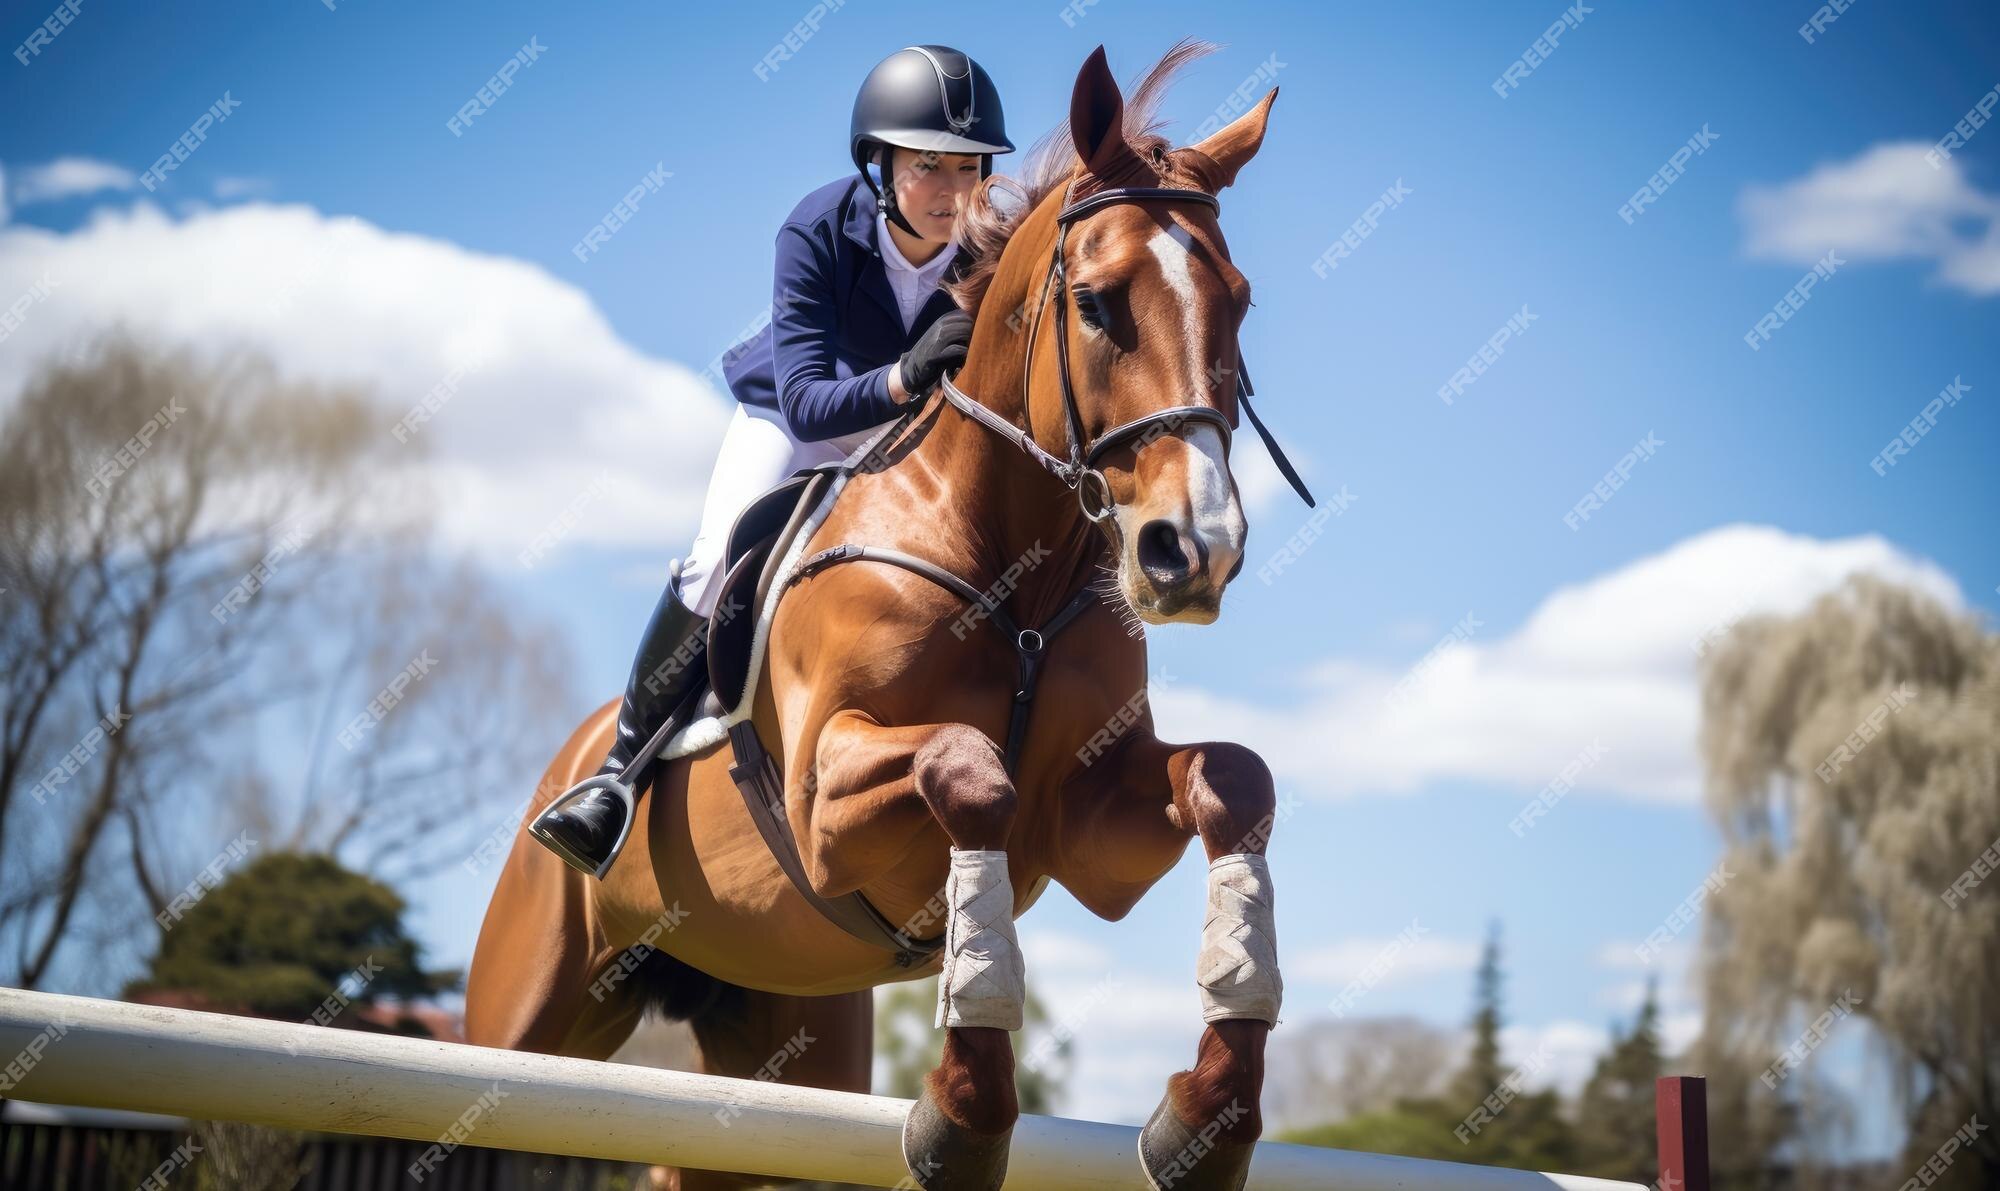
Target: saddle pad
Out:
[709,731]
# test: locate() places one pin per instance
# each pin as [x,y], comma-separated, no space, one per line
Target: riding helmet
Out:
[928,98]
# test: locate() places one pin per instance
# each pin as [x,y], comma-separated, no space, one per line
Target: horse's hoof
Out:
[942,1156]
[1177,1158]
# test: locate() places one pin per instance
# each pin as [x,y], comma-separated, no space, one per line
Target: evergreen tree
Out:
[284,933]
[1616,1133]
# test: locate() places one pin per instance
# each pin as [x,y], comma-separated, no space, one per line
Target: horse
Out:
[1077,466]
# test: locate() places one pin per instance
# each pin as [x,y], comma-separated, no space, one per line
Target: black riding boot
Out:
[588,824]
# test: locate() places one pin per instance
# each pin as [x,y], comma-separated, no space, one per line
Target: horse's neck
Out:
[994,498]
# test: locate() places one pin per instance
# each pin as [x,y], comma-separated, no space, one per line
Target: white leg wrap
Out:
[984,981]
[1238,969]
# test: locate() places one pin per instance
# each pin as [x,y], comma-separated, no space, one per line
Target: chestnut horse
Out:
[1093,319]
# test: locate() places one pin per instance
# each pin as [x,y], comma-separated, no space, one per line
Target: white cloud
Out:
[1609,661]
[1888,203]
[557,408]
[235,188]
[1340,964]
[68,177]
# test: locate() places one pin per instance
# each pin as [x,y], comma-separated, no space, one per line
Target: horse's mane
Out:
[985,228]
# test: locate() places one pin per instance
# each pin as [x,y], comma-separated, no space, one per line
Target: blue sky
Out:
[1760,493]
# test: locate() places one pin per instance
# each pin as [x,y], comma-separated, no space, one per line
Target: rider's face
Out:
[932,188]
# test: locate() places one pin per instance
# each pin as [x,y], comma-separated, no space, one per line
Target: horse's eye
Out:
[1087,307]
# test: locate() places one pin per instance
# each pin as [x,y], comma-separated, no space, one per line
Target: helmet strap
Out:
[885,198]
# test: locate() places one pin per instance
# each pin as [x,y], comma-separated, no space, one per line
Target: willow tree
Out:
[1853,767]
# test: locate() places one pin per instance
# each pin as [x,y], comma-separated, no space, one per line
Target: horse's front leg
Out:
[1204,1131]
[958,1132]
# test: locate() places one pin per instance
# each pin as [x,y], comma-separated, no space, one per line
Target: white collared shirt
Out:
[912,284]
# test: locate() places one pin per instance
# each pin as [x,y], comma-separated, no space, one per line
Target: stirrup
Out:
[604,781]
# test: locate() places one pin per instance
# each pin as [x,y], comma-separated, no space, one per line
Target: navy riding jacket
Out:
[823,360]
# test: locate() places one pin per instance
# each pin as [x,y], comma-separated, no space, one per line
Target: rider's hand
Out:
[938,350]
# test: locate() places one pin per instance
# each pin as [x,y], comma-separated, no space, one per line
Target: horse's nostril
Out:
[1162,554]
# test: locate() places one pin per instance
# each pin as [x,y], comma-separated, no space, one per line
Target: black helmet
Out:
[930,98]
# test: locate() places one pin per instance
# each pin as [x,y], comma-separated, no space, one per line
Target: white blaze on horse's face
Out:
[1182,532]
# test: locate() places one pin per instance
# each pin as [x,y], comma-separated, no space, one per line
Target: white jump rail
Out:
[207,1066]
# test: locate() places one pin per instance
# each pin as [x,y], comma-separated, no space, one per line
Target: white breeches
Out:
[758,451]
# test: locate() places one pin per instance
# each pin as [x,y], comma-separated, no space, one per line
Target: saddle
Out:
[760,541]
[761,544]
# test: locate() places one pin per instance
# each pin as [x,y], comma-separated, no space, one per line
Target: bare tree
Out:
[1853,761]
[191,552]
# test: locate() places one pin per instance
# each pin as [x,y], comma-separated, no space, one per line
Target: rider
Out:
[859,328]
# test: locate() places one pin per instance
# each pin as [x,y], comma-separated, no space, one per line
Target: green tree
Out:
[279,936]
[1485,1116]
[1616,1134]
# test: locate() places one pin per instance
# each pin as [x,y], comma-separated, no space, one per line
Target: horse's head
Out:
[1151,306]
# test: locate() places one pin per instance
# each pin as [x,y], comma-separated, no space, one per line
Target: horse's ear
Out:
[1096,112]
[1232,147]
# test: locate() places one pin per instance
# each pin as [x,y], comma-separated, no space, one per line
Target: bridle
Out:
[1078,469]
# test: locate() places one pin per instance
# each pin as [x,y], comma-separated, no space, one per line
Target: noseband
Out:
[1078,469]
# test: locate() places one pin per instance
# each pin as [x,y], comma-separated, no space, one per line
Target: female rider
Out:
[859,327]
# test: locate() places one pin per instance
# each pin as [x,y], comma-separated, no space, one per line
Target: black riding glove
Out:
[938,351]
